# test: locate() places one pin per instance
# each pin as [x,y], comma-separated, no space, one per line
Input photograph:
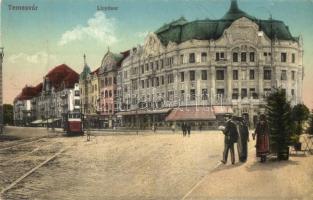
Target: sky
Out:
[62,31]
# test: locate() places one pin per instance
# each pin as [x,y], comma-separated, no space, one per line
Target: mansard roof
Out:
[62,76]
[108,65]
[181,30]
[28,92]
[85,72]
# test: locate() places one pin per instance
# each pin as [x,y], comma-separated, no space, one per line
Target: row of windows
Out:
[107,81]
[108,93]
[236,57]
[221,93]
[220,75]
[267,75]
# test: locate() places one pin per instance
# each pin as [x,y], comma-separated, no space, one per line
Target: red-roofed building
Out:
[48,101]
[23,107]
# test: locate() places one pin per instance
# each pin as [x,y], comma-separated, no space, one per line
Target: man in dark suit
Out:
[183,127]
[188,129]
[243,138]
[231,137]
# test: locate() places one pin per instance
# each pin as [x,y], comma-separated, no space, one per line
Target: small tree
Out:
[8,114]
[278,112]
[310,128]
[300,113]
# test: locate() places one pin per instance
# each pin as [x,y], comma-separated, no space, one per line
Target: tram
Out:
[73,123]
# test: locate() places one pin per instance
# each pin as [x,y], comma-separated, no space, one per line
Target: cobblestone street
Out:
[145,166]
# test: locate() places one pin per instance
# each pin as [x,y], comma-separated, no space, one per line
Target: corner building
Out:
[228,65]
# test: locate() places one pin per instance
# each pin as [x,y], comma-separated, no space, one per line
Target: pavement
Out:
[292,179]
[149,166]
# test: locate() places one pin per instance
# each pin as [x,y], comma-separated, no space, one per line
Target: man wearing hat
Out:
[231,136]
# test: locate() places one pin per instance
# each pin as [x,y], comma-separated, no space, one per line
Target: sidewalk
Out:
[291,179]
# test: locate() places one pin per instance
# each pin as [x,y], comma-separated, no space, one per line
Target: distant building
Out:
[186,69]
[98,91]
[89,90]
[46,103]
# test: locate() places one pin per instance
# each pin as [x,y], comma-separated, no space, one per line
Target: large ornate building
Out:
[200,70]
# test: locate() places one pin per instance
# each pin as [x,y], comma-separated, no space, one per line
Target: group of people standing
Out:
[236,131]
[186,128]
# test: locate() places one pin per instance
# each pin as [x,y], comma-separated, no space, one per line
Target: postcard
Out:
[156,99]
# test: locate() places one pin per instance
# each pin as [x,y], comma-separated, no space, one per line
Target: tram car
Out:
[73,123]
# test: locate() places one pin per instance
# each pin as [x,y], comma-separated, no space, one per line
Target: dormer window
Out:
[192,58]
[219,56]
[203,57]
[243,57]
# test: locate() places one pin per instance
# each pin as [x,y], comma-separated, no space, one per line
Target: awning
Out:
[191,114]
[38,121]
[221,110]
[49,121]
[145,112]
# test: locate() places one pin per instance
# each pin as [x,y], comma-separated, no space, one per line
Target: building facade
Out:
[227,65]
[46,104]
[90,96]
[110,65]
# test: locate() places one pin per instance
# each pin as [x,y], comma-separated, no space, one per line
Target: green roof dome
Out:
[235,13]
[181,30]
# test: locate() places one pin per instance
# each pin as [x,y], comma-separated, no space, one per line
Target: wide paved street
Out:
[129,166]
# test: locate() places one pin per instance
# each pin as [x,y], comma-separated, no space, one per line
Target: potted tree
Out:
[278,112]
[300,113]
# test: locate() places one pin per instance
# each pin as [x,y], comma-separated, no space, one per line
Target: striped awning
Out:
[221,110]
[145,112]
[191,114]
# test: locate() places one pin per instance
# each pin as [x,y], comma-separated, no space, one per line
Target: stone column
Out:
[229,83]
[212,90]
[260,81]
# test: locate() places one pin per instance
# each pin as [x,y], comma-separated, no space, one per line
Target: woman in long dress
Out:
[262,140]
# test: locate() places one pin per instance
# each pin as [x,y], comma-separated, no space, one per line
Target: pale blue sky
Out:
[30,36]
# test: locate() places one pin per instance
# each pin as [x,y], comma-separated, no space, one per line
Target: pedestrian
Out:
[183,127]
[243,139]
[200,127]
[231,137]
[189,129]
[262,140]
[173,127]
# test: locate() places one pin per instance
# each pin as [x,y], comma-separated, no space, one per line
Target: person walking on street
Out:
[173,127]
[183,127]
[189,129]
[231,136]
[262,140]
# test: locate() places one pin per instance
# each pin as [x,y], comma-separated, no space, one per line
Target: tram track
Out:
[41,147]
[21,144]
[27,163]
[28,173]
